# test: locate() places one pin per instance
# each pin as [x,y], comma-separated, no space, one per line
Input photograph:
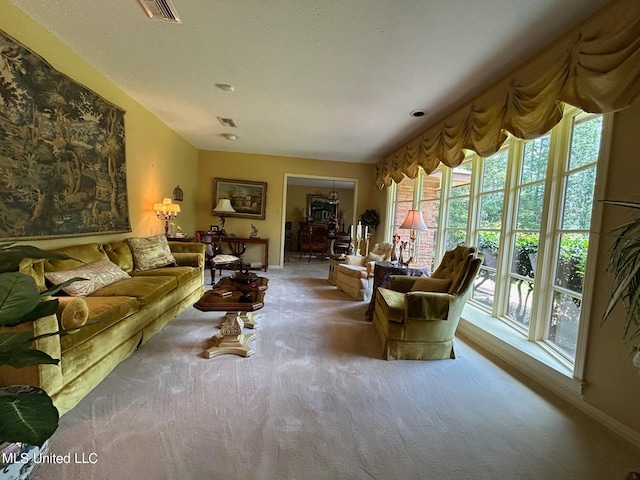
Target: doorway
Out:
[296,207]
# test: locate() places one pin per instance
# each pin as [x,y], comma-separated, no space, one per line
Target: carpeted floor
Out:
[315,401]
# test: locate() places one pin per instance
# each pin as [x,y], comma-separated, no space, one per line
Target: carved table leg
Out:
[230,339]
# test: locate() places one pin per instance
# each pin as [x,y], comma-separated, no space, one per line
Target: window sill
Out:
[528,357]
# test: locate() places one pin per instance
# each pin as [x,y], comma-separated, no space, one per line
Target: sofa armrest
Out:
[189,259]
[187,247]
[47,377]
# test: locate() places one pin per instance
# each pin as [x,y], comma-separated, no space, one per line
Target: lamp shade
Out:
[224,206]
[414,221]
[166,206]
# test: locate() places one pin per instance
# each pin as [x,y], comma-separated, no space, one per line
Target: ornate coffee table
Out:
[240,307]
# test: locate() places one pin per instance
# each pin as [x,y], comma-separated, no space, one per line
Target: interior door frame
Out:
[326,178]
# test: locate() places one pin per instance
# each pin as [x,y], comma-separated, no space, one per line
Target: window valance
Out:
[595,66]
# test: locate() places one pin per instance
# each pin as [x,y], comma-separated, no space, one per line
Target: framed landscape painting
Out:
[248,199]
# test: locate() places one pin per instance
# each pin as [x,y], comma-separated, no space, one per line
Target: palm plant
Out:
[624,264]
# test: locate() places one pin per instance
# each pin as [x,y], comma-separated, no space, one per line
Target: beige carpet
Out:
[315,401]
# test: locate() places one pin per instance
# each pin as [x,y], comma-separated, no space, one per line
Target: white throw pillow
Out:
[97,274]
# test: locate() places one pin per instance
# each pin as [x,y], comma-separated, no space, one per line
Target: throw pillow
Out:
[151,252]
[97,274]
[72,313]
[429,284]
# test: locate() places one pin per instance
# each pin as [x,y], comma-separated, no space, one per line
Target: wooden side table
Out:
[381,274]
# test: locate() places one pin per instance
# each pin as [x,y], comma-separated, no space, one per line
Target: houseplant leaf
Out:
[12,255]
[18,296]
[15,351]
[28,415]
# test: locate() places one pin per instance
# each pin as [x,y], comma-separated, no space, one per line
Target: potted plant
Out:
[370,218]
[624,264]
[27,414]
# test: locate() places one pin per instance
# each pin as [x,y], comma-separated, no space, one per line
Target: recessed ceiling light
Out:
[419,113]
[230,136]
[225,86]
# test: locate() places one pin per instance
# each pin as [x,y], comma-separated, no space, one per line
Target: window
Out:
[528,209]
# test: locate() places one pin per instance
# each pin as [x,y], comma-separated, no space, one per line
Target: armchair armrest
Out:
[354,260]
[428,305]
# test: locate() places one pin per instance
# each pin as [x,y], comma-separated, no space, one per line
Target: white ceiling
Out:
[325,79]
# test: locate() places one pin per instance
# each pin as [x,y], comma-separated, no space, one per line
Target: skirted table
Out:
[383,271]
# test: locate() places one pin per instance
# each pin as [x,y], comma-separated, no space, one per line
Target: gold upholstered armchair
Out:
[416,317]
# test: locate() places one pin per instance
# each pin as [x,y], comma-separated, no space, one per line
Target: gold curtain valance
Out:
[596,67]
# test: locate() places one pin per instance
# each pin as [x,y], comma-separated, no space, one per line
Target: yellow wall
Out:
[613,384]
[272,169]
[157,158]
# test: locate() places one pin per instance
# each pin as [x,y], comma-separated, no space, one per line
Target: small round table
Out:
[383,271]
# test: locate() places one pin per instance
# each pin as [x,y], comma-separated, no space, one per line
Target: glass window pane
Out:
[431,185]
[494,171]
[430,212]
[461,180]
[525,254]
[488,243]
[563,326]
[491,210]
[455,237]
[484,287]
[585,142]
[571,262]
[534,162]
[458,212]
[578,200]
[529,207]
[425,248]
[405,188]
[520,301]
[401,212]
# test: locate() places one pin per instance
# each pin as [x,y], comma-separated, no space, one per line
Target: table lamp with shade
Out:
[413,222]
[223,208]
[166,211]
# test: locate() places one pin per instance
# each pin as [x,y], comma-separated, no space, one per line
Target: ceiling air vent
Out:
[161,10]
[228,122]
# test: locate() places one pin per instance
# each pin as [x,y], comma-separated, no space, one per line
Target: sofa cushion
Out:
[103,312]
[150,252]
[428,284]
[181,274]
[145,288]
[120,254]
[80,255]
[98,274]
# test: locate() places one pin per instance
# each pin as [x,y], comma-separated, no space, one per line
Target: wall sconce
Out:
[414,221]
[178,194]
[166,211]
[222,209]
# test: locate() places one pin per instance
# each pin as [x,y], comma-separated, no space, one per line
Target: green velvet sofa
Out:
[118,318]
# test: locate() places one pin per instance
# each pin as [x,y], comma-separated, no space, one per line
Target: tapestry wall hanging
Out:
[62,153]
